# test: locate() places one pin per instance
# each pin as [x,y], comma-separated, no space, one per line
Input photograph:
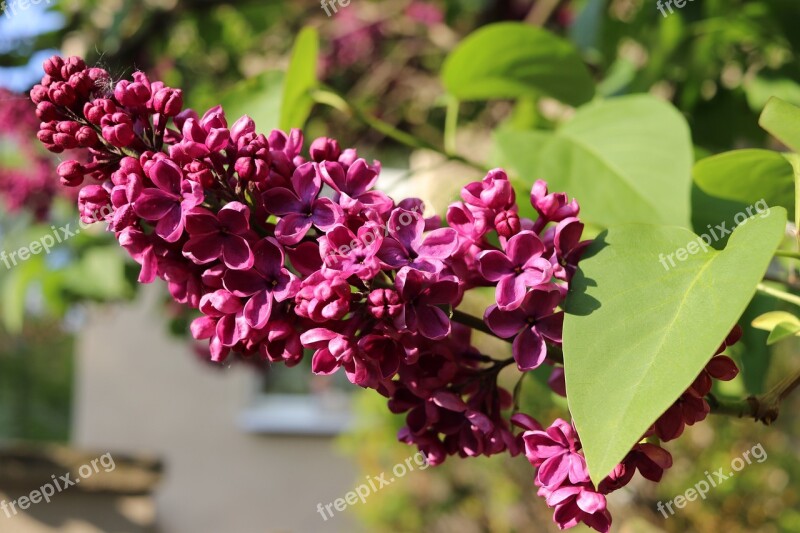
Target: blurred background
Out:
[92,363]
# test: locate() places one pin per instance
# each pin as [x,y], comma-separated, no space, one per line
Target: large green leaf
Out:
[301,78]
[626,160]
[511,60]
[727,184]
[637,334]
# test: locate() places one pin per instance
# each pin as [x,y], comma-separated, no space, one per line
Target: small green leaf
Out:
[637,334]
[782,120]
[769,321]
[782,331]
[512,60]
[727,184]
[301,78]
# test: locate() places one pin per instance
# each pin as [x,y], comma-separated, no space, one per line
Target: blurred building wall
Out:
[139,390]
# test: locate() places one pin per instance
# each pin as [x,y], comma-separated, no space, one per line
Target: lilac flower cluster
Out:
[282,253]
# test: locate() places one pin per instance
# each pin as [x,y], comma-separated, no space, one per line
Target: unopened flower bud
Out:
[325,149]
[52,67]
[507,223]
[39,94]
[95,111]
[47,111]
[72,65]
[242,127]
[71,173]
[168,101]
[132,94]
[62,94]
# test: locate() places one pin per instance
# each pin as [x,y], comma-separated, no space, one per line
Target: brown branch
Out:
[541,12]
[763,408]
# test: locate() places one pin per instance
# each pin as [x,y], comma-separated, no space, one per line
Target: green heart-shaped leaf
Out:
[637,334]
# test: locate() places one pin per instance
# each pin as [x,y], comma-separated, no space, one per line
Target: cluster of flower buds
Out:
[282,252]
[27,186]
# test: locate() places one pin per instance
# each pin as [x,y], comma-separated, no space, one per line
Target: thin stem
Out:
[787,253]
[541,12]
[778,279]
[779,294]
[473,322]
[764,407]
[332,99]
[451,125]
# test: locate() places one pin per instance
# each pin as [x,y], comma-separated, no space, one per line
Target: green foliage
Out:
[512,60]
[727,184]
[301,78]
[638,330]
[629,160]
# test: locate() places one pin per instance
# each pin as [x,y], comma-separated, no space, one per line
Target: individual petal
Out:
[203,327]
[306,183]
[554,470]
[235,217]
[325,213]
[236,253]
[228,331]
[324,363]
[201,221]
[258,309]
[449,401]
[524,247]
[494,265]
[170,227]
[432,322]
[551,327]
[506,324]
[281,201]
[154,204]
[529,350]
[292,228]
[591,502]
[439,244]
[510,292]
[203,248]
[166,175]
[526,422]
[393,254]
[243,283]
[360,177]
